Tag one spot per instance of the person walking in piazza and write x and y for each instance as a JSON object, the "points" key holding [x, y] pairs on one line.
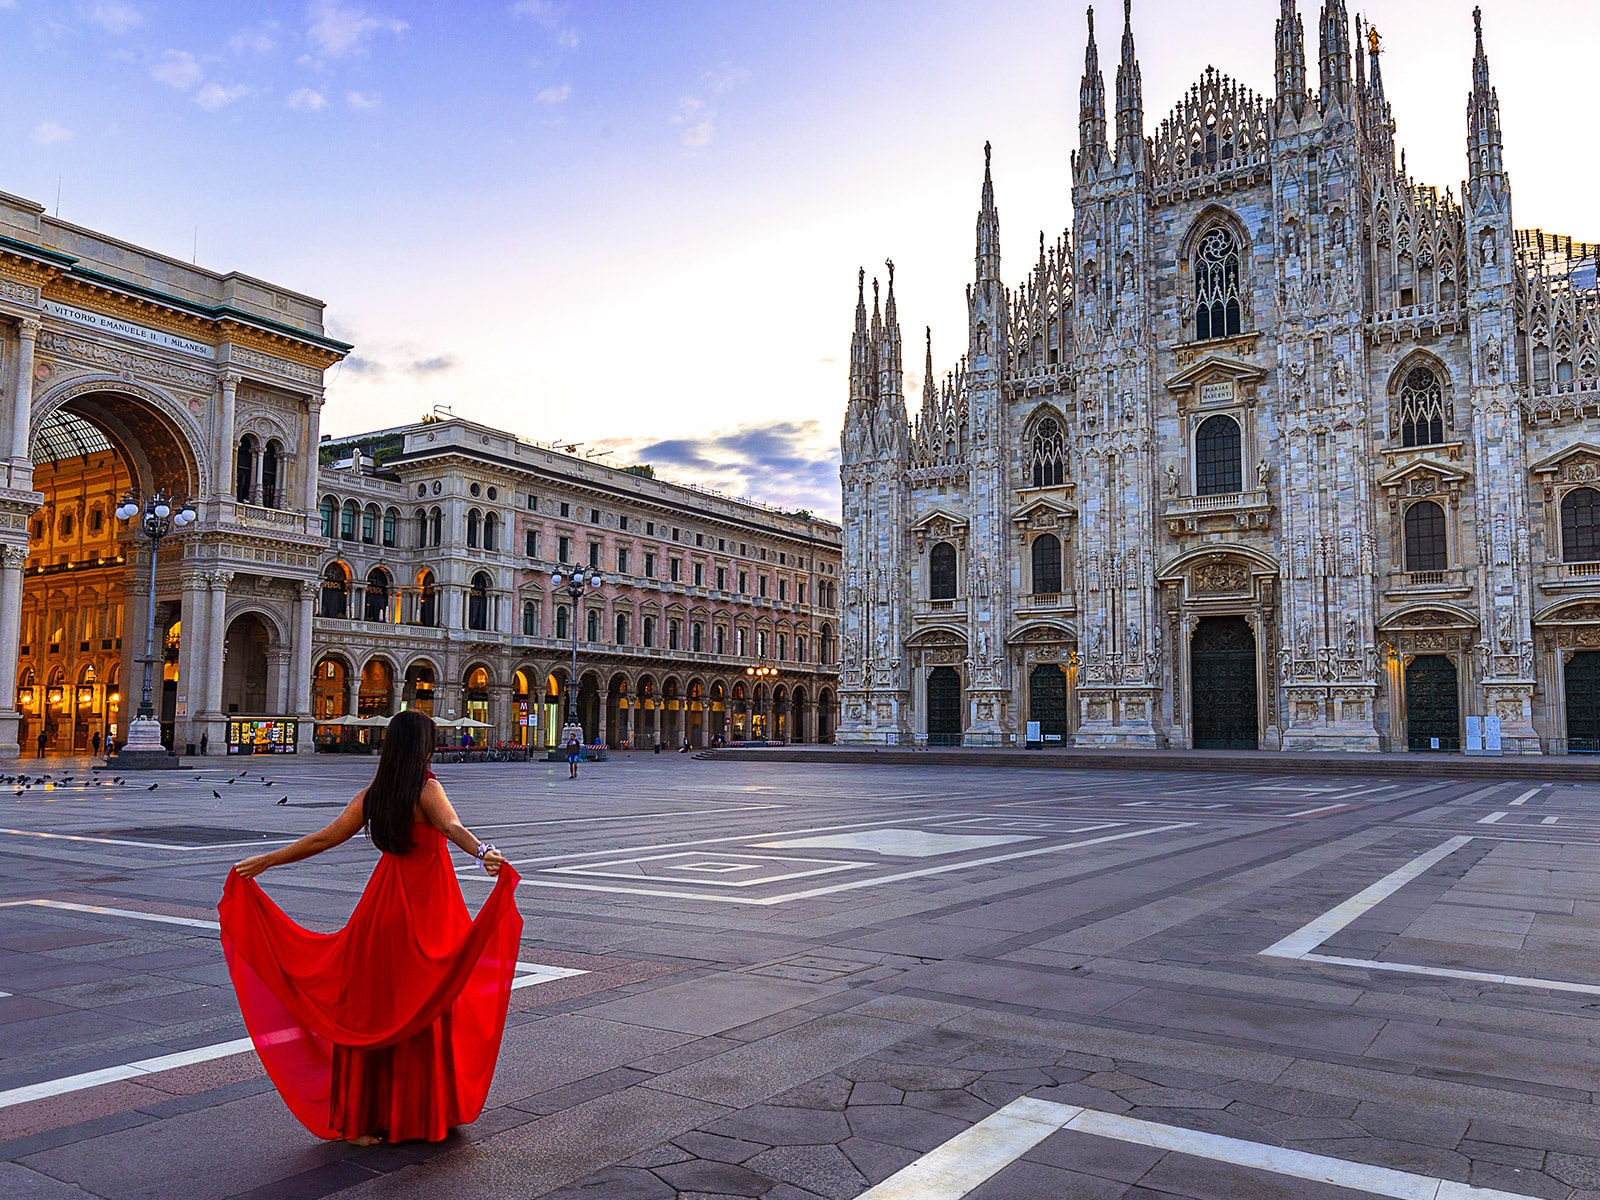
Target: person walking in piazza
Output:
{"points": [[390, 1027], [574, 751], [95, 742]]}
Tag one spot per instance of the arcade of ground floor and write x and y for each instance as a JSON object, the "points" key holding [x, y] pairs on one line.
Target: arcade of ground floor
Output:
{"points": [[797, 981]]}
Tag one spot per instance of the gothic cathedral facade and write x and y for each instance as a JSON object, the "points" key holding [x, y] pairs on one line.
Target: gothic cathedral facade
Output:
{"points": [[1274, 448]]}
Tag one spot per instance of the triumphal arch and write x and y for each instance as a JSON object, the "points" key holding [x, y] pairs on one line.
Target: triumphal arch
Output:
{"points": [[127, 373]]}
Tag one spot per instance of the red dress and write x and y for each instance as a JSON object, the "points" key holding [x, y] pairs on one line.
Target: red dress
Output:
{"points": [[391, 1025]]}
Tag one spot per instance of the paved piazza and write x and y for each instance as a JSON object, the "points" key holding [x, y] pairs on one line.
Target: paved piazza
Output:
{"points": [[796, 980]]}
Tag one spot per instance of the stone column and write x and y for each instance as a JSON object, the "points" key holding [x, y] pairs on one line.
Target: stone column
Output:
{"points": [[11, 560], [226, 462], [216, 627], [256, 467], [22, 410], [196, 659], [310, 454], [301, 689]]}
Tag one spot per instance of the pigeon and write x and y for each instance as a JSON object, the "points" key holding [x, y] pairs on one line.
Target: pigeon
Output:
{"points": [[242, 773], [152, 787], [283, 800], [216, 793], [266, 783], [229, 782]]}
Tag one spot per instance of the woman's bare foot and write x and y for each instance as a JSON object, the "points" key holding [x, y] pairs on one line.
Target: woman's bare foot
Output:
{"points": [[366, 1139]]}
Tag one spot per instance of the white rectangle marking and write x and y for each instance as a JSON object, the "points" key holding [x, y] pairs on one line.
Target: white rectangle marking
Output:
{"points": [[1548, 820], [1525, 797], [967, 1160], [1311, 812], [1313, 933], [1493, 818]]}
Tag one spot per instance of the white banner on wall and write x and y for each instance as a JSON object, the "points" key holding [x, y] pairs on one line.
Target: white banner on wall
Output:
{"points": [[127, 329]]}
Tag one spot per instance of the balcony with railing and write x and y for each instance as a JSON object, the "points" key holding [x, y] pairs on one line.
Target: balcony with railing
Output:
{"points": [[955, 606], [1452, 581], [1570, 576], [272, 520], [1227, 510], [1037, 602]]}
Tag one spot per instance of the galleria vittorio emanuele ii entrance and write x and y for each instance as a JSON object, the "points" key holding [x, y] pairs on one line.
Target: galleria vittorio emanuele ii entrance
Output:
{"points": [[127, 376]]}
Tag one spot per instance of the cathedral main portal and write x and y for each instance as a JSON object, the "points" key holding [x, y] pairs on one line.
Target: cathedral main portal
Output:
{"points": [[1223, 679]]}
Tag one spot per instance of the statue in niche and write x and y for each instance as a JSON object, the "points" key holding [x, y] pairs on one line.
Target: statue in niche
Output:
{"points": [[1490, 251], [1349, 636], [1263, 474], [1133, 640], [1172, 480], [1493, 353]]}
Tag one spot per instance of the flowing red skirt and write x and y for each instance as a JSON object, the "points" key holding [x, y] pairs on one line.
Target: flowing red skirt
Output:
{"points": [[391, 1025]]}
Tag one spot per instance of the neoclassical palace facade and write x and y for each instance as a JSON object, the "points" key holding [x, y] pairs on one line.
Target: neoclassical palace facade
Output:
{"points": [[1275, 447], [331, 579], [438, 541], [124, 369]]}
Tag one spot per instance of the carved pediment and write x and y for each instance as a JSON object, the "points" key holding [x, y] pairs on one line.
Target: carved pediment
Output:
{"points": [[1424, 477], [1578, 463], [1218, 379], [938, 526], [1436, 616], [1043, 513], [1584, 612]]}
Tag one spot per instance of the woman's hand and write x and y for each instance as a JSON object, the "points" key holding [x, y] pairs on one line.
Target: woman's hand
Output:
{"points": [[251, 867], [492, 861]]}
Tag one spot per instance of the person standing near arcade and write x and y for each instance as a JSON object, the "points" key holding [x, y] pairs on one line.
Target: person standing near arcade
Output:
{"points": [[389, 1028], [574, 752]]}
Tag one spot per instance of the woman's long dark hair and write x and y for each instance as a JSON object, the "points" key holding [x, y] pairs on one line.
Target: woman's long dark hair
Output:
{"points": [[395, 787]]}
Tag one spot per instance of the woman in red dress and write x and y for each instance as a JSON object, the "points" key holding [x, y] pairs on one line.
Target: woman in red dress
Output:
{"points": [[390, 1027]]}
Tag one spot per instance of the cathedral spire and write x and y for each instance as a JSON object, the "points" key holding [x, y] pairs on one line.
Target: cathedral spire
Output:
{"points": [[988, 249], [891, 389], [860, 347], [1485, 152], [1334, 55], [1291, 62], [1091, 109], [930, 392], [1130, 96]]}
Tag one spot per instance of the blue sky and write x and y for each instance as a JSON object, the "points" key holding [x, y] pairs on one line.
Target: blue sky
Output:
{"points": [[637, 225]]}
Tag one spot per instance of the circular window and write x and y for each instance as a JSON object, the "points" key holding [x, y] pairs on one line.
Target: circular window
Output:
{"points": [[474, 489], [437, 487], [422, 489], [494, 494]]}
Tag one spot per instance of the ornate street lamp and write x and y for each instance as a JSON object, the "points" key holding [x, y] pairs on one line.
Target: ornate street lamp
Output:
{"points": [[576, 584], [761, 674], [157, 518]]}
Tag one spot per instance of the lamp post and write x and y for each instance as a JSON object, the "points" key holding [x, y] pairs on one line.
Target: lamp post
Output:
{"points": [[158, 517], [576, 584]]}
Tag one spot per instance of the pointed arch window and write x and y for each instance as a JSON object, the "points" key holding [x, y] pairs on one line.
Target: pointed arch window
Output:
{"points": [[1421, 408], [1218, 311], [1047, 454], [1580, 525]]}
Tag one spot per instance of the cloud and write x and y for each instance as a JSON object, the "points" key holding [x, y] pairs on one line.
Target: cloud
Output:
{"points": [[695, 118], [307, 100], [783, 463], [48, 133], [549, 16], [697, 123], [726, 77], [256, 39], [555, 95], [363, 101], [215, 95], [338, 29], [406, 361], [178, 69], [116, 19]]}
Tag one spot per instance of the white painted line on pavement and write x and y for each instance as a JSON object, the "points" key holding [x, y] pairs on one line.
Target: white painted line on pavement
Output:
{"points": [[1301, 944], [100, 910], [1549, 820], [133, 1070], [146, 845], [853, 885], [1313, 933], [1493, 818], [688, 812], [1525, 797], [975, 1155], [1309, 812]]}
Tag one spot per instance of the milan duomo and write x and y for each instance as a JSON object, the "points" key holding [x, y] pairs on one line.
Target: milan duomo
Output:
{"points": [[1275, 447]]}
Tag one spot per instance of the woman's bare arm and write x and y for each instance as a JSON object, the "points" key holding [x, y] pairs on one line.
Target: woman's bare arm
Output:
{"points": [[441, 815], [338, 831]]}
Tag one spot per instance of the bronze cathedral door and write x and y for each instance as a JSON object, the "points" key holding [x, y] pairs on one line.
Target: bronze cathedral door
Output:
{"points": [[1222, 682]]}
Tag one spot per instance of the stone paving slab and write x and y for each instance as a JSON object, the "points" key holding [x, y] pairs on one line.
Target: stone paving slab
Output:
{"points": [[815, 1048]]}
